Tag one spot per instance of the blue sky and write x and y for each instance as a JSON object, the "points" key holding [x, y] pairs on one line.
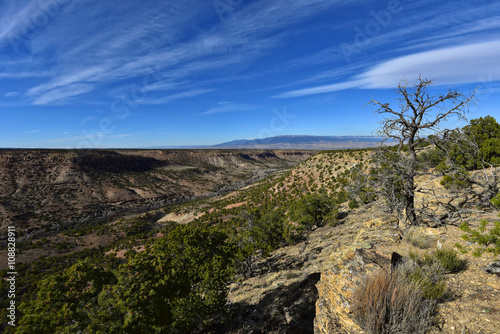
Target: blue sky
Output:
{"points": [[88, 73]]}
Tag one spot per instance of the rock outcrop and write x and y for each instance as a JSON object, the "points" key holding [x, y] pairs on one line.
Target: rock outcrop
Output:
{"points": [[370, 250]]}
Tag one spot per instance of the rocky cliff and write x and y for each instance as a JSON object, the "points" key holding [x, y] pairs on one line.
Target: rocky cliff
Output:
{"points": [[369, 251], [471, 303]]}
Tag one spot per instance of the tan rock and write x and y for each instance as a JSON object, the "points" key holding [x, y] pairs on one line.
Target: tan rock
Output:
{"points": [[432, 231], [493, 282], [336, 287]]}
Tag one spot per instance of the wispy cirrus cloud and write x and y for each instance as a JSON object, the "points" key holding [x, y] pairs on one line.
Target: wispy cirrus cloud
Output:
{"points": [[246, 35], [415, 29], [23, 75], [110, 52], [75, 77], [173, 97], [228, 107], [419, 29], [62, 93], [12, 94], [321, 89], [453, 65], [467, 32], [105, 40], [15, 18]]}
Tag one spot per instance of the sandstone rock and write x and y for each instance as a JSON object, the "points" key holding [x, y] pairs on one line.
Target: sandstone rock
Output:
{"points": [[350, 266], [432, 231], [336, 287]]}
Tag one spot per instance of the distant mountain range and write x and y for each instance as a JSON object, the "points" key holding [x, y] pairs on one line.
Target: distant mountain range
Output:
{"points": [[297, 142]]}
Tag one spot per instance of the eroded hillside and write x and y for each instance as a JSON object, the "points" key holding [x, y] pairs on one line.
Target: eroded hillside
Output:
{"points": [[40, 187]]}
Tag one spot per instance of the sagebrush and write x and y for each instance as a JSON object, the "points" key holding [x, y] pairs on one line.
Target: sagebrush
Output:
{"points": [[390, 303]]}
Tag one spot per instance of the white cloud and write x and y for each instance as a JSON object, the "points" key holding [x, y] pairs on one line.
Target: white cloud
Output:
{"points": [[12, 94], [126, 135], [265, 17], [321, 89], [110, 49], [467, 33], [62, 93], [14, 21], [247, 34], [173, 97], [453, 65], [472, 63], [415, 29], [226, 107], [77, 76], [22, 75], [86, 137]]}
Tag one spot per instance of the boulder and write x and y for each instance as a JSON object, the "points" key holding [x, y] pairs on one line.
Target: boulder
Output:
{"points": [[493, 268]]}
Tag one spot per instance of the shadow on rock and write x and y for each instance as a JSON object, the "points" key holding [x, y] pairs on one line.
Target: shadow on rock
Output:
{"points": [[287, 309]]}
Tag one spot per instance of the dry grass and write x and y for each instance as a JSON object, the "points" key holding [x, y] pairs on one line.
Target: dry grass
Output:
{"points": [[389, 303], [418, 238]]}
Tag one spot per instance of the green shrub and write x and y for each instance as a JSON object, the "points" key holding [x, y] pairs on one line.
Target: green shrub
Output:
{"points": [[178, 285], [430, 158], [496, 201], [353, 204], [426, 273], [490, 240], [448, 259], [312, 210], [485, 134], [456, 181], [418, 238]]}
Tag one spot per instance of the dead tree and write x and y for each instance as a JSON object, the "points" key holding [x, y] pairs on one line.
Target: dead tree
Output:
{"points": [[418, 116]]}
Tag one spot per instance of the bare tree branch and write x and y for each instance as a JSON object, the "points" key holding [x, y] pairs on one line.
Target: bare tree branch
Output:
{"points": [[418, 116]]}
